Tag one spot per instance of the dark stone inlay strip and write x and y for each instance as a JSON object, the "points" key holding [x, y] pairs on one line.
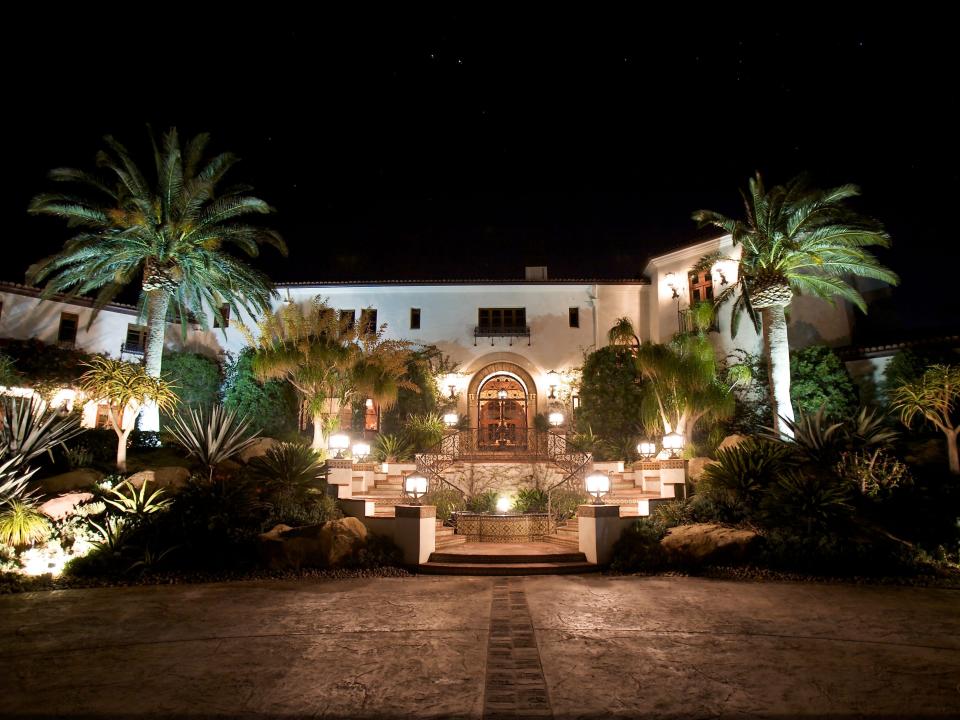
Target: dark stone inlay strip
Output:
{"points": [[515, 686]]}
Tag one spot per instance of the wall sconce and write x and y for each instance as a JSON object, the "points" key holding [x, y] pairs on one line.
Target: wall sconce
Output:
{"points": [[671, 279], [453, 391], [553, 393]]}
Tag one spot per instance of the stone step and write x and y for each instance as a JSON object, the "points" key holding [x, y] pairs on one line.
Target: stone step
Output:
{"points": [[494, 558], [450, 541], [564, 541], [532, 568], [444, 531]]}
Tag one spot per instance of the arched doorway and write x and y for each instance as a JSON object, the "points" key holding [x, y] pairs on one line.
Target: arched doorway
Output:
{"points": [[502, 401]]}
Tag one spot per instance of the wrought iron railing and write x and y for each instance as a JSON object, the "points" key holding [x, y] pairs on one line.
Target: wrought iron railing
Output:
{"points": [[527, 444], [137, 349], [685, 322], [486, 331]]}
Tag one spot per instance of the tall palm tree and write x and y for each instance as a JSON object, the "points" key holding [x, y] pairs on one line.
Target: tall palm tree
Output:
{"points": [[794, 239], [330, 361], [622, 333], [169, 233]]}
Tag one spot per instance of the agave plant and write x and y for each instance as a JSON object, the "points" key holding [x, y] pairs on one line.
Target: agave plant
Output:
{"points": [[30, 428], [811, 499], [13, 477], [743, 473], [812, 436], [22, 523], [128, 501], [391, 448], [213, 436], [870, 430]]}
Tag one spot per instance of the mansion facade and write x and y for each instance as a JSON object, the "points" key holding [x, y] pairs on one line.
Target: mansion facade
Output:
{"points": [[521, 339]]}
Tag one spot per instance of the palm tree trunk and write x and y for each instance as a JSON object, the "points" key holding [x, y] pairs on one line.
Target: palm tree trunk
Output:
{"points": [[776, 347], [158, 302], [952, 454]]}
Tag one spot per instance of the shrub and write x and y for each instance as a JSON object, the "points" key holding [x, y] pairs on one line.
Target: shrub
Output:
{"points": [[874, 474], [447, 501], [832, 553], [610, 397], [811, 500], [22, 523], [699, 508], [195, 379], [213, 436], [424, 431], [29, 429], [530, 500], [391, 448], [272, 405], [79, 456], [638, 548], [587, 441], [742, 474], [564, 502], [288, 468], [378, 551], [484, 502], [819, 381]]}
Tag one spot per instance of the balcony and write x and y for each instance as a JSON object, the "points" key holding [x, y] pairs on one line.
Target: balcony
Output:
{"points": [[685, 322], [135, 349], [505, 331]]}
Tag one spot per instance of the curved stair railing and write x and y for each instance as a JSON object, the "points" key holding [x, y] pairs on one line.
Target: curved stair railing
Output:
{"points": [[533, 445]]}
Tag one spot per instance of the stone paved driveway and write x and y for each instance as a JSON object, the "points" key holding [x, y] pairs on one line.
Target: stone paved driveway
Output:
{"points": [[570, 646]]}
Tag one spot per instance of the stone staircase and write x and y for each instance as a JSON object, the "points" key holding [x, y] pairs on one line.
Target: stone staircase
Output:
{"points": [[501, 559], [447, 538]]}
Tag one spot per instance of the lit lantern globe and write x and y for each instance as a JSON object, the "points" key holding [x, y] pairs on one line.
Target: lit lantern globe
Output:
{"points": [[646, 449], [339, 442], [674, 443], [556, 419], [415, 485], [360, 451], [503, 504], [451, 419], [598, 484]]}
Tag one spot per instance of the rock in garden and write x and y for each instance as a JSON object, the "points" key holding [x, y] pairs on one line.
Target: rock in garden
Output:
{"points": [[63, 506], [708, 544], [173, 477], [731, 441], [696, 466], [342, 538], [72, 480], [260, 447]]}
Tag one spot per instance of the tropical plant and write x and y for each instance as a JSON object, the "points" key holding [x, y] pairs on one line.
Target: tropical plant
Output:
{"points": [[213, 435], [793, 239], [127, 388], [908, 365], [330, 360], [610, 395], [195, 378], [809, 500], [424, 431], [812, 436], [79, 456], [22, 523], [446, 499], [112, 534], [530, 500], [869, 429], [874, 473], [272, 404], [587, 441], [391, 448], [13, 477], [8, 372], [483, 502], [819, 380], [288, 470], [743, 473], [128, 501], [170, 234], [934, 397], [622, 333], [424, 367], [30, 428]]}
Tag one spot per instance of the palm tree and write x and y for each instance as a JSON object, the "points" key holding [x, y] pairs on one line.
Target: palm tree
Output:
{"points": [[794, 239], [622, 333], [169, 233], [330, 361]]}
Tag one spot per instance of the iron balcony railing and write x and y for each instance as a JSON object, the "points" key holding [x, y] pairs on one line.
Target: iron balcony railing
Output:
{"points": [[137, 349], [685, 322], [488, 331]]}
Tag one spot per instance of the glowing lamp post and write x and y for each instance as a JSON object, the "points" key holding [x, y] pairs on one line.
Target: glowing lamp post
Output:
{"points": [[415, 485], [556, 419], [646, 449], [360, 451], [598, 484], [339, 442], [451, 419], [674, 443]]}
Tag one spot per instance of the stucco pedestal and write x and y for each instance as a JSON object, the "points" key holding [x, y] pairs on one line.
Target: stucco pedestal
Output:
{"points": [[415, 532]]}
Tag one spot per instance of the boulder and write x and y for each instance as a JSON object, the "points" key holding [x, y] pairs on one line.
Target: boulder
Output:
{"points": [[63, 506], [696, 466], [708, 544], [260, 447], [731, 441], [173, 477], [73, 480], [284, 548], [340, 539]]}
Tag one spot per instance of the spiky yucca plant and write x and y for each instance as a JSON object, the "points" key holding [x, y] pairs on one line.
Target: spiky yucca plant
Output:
{"points": [[793, 238], [30, 428], [213, 436], [168, 230], [126, 499], [22, 523]]}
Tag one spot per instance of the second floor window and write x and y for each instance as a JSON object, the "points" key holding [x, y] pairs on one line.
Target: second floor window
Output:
{"points": [[414, 318], [501, 318], [348, 318], [575, 317], [368, 322], [67, 333], [701, 286], [136, 338]]}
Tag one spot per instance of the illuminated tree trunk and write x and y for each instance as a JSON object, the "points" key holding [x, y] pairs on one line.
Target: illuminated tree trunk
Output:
{"points": [[158, 302], [777, 349], [319, 441], [952, 455]]}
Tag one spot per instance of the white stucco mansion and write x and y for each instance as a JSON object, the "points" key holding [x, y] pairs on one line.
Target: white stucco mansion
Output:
{"points": [[527, 335]]}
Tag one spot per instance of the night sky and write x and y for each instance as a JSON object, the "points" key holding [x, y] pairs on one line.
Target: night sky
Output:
{"points": [[466, 147]]}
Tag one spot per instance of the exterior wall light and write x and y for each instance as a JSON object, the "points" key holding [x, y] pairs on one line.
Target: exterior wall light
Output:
{"points": [[646, 449], [360, 451], [453, 391], [671, 280], [553, 393], [415, 485], [451, 419], [503, 504], [674, 443], [556, 419], [598, 484], [339, 442]]}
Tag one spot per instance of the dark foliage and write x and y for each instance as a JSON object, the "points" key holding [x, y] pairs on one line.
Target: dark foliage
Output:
{"points": [[638, 548], [41, 365], [819, 381], [530, 500], [610, 397], [485, 502], [196, 379], [272, 405]]}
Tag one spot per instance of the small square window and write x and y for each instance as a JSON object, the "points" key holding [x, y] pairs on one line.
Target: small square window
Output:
{"points": [[575, 317], [67, 333], [348, 318], [414, 318], [368, 321]]}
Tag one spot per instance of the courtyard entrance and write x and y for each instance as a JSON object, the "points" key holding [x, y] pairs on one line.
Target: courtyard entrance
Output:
{"points": [[502, 414]]}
